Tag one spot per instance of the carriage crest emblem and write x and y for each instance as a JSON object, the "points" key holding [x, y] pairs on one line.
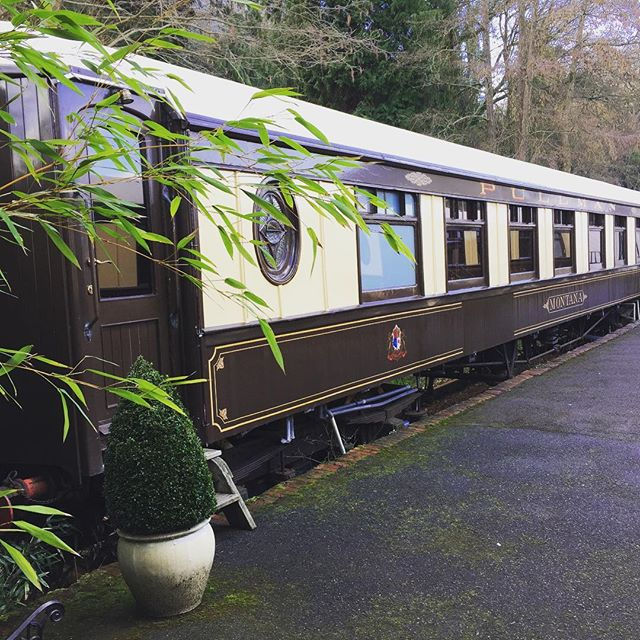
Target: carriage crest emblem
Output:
{"points": [[397, 345]]}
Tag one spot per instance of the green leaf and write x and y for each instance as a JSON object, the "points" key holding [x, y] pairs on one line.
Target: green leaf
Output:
{"points": [[278, 91], [75, 388], [129, 395], [65, 415], [232, 282], [316, 244], [15, 360], [272, 342], [183, 33], [309, 126], [49, 361], [13, 229], [23, 564], [39, 508], [175, 205], [254, 298], [154, 237], [171, 404], [294, 145], [395, 241], [44, 535], [269, 208], [7, 117], [59, 243], [183, 242]]}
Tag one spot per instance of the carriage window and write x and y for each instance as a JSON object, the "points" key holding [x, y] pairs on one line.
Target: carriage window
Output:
{"points": [[620, 241], [563, 237], [465, 222], [383, 272], [596, 242], [522, 242], [637, 242]]}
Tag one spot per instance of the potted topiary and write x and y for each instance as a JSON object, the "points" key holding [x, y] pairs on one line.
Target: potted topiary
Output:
{"points": [[160, 495]]}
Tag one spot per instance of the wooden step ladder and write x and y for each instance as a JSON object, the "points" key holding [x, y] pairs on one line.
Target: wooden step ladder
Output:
{"points": [[228, 498]]}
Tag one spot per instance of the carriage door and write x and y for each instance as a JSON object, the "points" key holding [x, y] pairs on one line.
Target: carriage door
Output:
{"points": [[122, 311]]}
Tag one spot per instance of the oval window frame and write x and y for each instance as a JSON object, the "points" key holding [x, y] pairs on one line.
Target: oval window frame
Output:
{"points": [[287, 272]]}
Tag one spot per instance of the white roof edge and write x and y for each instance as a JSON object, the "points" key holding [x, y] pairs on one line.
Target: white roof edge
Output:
{"points": [[225, 100]]}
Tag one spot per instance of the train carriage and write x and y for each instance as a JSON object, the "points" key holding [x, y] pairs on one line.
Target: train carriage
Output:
{"points": [[504, 251]]}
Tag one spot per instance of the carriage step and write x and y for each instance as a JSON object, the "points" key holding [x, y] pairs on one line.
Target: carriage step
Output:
{"points": [[225, 499], [228, 498]]}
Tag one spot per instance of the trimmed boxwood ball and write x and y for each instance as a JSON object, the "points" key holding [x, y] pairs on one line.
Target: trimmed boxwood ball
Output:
{"points": [[156, 479]]}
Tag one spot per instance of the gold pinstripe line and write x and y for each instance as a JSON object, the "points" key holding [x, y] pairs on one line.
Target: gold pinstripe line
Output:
{"points": [[292, 335], [331, 392], [530, 292], [582, 312]]}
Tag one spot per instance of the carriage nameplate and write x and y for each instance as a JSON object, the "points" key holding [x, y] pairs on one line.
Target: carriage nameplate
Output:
{"points": [[562, 301]]}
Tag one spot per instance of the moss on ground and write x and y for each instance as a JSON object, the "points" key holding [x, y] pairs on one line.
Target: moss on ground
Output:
{"points": [[327, 493], [460, 616], [99, 606]]}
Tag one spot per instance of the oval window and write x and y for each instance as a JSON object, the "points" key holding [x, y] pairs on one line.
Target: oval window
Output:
{"points": [[280, 249]]}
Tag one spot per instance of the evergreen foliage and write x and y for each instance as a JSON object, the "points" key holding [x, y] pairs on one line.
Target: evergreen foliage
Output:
{"points": [[390, 82], [156, 478]]}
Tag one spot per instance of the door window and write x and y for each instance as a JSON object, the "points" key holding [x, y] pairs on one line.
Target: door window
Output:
{"points": [[122, 267]]}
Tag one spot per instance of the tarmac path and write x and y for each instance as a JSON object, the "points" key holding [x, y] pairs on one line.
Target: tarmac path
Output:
{"points": [[518, 519]]}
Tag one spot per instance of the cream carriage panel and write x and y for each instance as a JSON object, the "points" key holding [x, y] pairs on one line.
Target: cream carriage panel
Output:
{"points": [[582, 241]]}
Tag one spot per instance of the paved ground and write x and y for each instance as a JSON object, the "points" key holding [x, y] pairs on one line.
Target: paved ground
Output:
{"points": [[518, 519]]}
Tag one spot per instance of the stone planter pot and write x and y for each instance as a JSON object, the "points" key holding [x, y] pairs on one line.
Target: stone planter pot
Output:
{"points": [[167, 573]]}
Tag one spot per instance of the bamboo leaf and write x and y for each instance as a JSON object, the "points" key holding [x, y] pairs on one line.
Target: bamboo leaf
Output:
{"points": [[65, 415], [39, 508], [252, 297], [272, 342], [44, 535], [59, 243], [316, 244], [15, 360], [75, 388], [23, 564], [129, 395], [309, 126], [232, 282], [175, 205], [183, 242], [13, 229], [278, 91], [294, 145]]}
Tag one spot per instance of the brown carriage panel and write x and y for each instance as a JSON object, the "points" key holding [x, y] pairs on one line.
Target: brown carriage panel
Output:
{"points": [[625, 285], [36, 313], [544, 306], [488, 321], [123, 342], [325, 362]]}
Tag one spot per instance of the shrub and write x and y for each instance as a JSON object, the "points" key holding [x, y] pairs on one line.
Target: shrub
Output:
{"points": [[156, 478]]}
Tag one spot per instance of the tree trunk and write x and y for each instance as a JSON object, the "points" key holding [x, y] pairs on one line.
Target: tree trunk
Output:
{"points": [[567, 120], [525, 65], [487, 72]]}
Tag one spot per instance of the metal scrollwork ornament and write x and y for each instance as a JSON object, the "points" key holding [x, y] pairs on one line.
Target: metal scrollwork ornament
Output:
{"points": [[280, 242], [32, 628]]}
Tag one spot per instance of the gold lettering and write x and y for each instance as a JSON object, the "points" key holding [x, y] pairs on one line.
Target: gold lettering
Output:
{"points": [[517, 194], [543, 198], [486, 188]]}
